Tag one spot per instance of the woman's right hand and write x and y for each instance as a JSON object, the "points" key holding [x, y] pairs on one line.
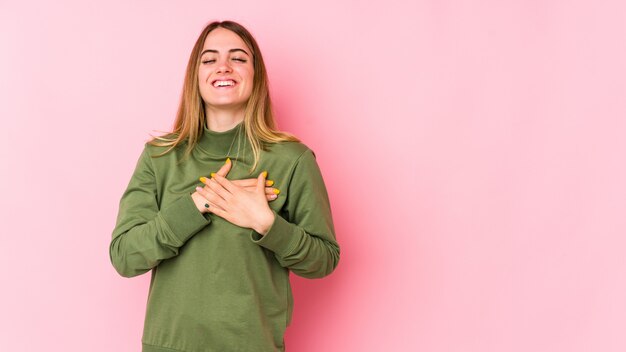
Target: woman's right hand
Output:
{"points": [[248, 184]]}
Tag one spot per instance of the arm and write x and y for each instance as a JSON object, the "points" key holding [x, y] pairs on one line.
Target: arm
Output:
{"points": [[146, 234], [304, 241]]}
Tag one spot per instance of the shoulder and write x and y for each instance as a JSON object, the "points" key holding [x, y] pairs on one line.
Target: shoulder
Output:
{"points": [[159, 159], [292, 151], [152, 149]]}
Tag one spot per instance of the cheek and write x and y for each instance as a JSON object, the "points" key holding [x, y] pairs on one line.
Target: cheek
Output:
{"points": [[201, 74], [250, 79], [202, 85]]}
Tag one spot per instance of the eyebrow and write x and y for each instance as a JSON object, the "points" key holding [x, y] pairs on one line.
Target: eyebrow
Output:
{"points": [[230, 51]]}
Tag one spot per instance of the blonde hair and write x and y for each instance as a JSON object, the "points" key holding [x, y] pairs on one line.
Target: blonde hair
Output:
{"points": [[258, 117]]}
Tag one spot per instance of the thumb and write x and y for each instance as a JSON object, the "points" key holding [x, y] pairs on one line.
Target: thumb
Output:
{"points": [[260, 184], [223, 171]]}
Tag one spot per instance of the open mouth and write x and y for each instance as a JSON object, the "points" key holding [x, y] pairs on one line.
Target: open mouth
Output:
{"points": [[224, 83]]}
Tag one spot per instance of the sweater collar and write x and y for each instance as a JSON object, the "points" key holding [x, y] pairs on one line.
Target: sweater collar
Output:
{"points": [[220, 143]]}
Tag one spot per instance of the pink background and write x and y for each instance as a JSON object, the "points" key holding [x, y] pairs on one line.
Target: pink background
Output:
{"points": [[474, 152]]}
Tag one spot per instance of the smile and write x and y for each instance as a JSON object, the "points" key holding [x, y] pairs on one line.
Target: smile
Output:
{"points": [[224, 83]]}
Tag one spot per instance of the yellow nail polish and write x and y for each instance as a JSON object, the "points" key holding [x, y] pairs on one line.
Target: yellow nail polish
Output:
{"points": [[269, 183], [203, 179], [212, 174], [276, 191], [227, 160], [265, 174]]}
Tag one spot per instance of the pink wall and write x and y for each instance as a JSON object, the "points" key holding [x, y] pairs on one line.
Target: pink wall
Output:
{"points": [[474, 153]]}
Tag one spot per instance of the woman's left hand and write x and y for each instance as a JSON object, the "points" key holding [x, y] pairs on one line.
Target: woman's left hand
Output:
{"points": [[239, 206]]}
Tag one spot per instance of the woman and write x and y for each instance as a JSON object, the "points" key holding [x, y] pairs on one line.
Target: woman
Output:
{"points": [[219, 238]]}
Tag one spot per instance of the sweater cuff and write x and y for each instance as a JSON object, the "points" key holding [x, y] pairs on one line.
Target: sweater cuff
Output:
{"points": [[183, 218], [281, 237]]}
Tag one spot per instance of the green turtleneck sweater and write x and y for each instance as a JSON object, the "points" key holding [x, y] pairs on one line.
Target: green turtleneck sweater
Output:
{"points": [[216, 286]]}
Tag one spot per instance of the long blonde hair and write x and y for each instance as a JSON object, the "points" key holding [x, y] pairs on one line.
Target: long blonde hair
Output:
{"points": [[258, 117]]}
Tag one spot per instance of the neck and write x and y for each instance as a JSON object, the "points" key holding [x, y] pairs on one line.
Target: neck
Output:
{"points": [[220, 120], [222, 144]]}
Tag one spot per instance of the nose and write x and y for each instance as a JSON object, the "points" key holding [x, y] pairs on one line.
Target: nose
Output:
{"points": [[223, 67]]}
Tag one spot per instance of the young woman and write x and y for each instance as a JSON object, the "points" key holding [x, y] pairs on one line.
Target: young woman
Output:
{"points": [[222, 209]]}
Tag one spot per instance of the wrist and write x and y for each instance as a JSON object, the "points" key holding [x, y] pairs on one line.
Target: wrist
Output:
{"points": [[265, 224]]}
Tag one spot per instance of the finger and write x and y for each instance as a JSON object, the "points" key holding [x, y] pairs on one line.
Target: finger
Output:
{"points": [[217, 189], [260, 186], [268, 190], [252, 187], [270, 193], [217, 211], [213, 200], [226, 184], [223, 171], [209, 191], [213, 207], [248, 182], [251, 182]]}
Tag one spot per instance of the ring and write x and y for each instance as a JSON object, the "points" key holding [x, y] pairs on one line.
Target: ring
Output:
{"points": [[206, 205]]}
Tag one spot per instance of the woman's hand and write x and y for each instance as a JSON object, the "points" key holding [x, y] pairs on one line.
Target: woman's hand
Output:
{"points": [[201, 195], [248, 184], [237, 205]]}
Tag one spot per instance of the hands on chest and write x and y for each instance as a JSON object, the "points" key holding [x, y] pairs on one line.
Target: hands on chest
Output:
{"points": [[241, 202]]}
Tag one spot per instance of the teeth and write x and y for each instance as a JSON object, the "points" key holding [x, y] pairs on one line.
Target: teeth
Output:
{"points": [[223, 83]]}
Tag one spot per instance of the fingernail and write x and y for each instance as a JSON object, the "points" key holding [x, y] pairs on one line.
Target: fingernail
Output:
{"points": [[212, 174], [198, 189], [273, 196], [264, 174], [227, 160], [269, 183], [276, 191], [203, 179]]}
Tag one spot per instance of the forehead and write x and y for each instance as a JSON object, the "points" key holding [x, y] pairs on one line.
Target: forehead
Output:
{"points": [[222, 39]]}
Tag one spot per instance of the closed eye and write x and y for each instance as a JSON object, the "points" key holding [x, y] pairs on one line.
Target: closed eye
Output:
{"points": [[239, 59], [208, 61]]}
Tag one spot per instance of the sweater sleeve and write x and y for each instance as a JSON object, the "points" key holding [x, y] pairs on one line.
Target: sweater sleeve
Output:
{"points": [[145, 234], [304, 240]]}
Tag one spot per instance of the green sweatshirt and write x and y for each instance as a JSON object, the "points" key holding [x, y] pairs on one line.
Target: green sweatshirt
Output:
{"points": [[216, 286]]}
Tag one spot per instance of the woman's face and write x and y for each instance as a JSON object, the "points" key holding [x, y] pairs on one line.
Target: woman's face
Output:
{"points": [[226, 72]]}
